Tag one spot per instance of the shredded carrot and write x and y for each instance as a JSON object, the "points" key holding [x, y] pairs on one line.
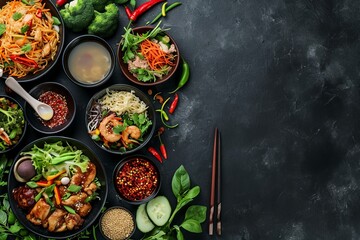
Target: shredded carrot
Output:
{"points": [[155, 56]]}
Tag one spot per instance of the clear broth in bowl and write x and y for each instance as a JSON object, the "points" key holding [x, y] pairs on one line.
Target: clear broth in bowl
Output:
{"points": [[89, 62]]}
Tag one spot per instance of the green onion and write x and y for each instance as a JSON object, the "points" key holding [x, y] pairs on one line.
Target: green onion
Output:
{"points": [[32, 184], [74, 188], [69, 209]]}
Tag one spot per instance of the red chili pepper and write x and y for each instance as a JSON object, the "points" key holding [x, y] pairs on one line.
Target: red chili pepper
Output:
{"points": [[38, 13], [162, 148], [59, 3], [155, 153], [128, 11], [174, 103], [143, 8], [24, 61]]}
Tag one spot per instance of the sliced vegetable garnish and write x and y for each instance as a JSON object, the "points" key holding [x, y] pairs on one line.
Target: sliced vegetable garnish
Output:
{"points": [[74, 188]]}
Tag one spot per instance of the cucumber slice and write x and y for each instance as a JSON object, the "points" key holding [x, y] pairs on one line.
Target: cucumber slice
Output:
{"points": [[143, 222], [159, 210]]}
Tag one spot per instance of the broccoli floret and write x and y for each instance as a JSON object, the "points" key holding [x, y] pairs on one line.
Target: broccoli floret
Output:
{"points": [[105, 24], [78, 14], [99, 5]]}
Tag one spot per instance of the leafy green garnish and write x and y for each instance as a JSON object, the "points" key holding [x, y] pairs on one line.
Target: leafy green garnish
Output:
{"points": [[26, 48], [16, 16], [2, 28], [119, 128], [74, 188], [30, 2], [56, 21], [24, 28], [132, 3], [194, 215]]}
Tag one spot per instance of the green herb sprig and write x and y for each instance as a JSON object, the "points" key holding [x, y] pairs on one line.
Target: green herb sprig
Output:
{"points": [[194, 215]]}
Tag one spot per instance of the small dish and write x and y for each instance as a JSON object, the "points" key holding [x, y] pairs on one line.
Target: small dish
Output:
{"points": [[133, 171], [4, 147], [57, 95], [125, 67], [117, 223], [95, 113], [88, 61]]}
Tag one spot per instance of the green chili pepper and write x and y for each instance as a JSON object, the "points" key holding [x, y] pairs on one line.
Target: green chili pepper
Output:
{"points": [[69, 209], [184, 76], [174, 5], [166, 117], [162, 116]]}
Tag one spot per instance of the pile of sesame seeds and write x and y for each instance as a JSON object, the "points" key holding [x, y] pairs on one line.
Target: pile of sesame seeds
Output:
{"points": [[117, 224]]}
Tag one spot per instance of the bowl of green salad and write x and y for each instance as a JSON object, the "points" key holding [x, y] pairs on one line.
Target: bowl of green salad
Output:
{"points": [[148, 55], [12, 123]]}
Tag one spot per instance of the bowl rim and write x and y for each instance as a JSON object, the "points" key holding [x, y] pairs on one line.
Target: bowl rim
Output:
{"points": [[150, 108], [65, 125], [25, 123], [88, 38], [121, 164], [103, 201], [117, 207], [126, 72], [53, 63]]}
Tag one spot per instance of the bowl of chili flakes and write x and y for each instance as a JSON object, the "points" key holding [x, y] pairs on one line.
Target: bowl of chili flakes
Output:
{"points": [[137, 179], [62, 102]]}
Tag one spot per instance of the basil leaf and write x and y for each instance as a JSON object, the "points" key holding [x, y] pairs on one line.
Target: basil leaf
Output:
{"points": [[32, 184], [192, 225], [180, 182], [15, 228], [6, 205], [2, 28], [3, 217], [74, 188], [16, 16], [26, 48], [192, 193], [3, 235], [196, 212], [179, 235]]}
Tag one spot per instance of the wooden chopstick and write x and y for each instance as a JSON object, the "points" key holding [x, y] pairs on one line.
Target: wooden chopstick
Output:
{"points": [[212, 190], [218, 216]]}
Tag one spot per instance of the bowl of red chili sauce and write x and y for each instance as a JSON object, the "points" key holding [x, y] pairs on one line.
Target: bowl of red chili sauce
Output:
{"points": [[62, 103], [137, 179]]}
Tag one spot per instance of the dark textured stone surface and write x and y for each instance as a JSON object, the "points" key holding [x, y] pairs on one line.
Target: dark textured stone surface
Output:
{"points": [[281, 81]]}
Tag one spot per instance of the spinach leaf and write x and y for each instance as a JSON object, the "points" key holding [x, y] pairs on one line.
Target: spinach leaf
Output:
{"points": [[192, 225], [196, 212], [192, 193]]}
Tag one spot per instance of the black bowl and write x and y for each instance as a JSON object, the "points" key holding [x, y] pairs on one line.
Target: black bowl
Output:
{"points": [[34, 76], [24, 128], [117, 207], [34, 119], [143, 97], [97, 205], [130, 76], [121, 164], [82, 39]]}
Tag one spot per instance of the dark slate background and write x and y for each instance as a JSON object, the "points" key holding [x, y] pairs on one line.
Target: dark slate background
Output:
{"points": [[280, 79]]}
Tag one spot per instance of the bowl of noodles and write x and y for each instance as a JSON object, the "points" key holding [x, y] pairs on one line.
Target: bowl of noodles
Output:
{"points": [[120, 119], [31, 38]]}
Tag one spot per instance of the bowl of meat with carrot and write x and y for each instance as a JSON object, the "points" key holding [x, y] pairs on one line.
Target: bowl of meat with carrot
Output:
{"points": [[120, 119], [148, 55]]}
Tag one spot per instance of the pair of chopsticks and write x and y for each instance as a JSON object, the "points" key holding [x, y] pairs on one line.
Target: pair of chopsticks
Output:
{"points": [[215, 180]]}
